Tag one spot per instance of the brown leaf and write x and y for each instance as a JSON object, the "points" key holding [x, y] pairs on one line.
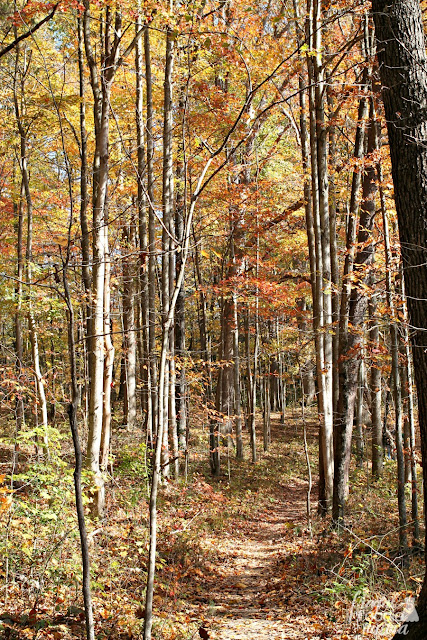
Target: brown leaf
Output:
{"points": [[140, 613]]}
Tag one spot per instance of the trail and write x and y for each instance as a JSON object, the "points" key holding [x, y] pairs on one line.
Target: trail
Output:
{"points": [[248, 605], [266, 581]]}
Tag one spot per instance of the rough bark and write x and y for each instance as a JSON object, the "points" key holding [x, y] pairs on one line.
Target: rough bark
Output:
{"points": [[403, 63]]}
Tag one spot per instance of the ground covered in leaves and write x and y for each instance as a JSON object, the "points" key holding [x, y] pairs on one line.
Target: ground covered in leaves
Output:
{"points": [[238, 557]]}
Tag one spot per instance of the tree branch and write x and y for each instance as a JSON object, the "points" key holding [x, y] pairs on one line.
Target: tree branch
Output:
{"points": [[28, 33]]}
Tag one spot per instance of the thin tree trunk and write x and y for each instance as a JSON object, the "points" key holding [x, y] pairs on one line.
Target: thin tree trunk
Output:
{"points": [[28, 259], [322, 305], [148, 618], [84, 196], [151, 236], [395, 373], [108, 357], [411, 421], [129, 335], [167, 248], [19, 338], [360, 437], [72, 415], [352, 339], [237, 394], [180, 349], [377, 427], [144, 337], [267, 407]]}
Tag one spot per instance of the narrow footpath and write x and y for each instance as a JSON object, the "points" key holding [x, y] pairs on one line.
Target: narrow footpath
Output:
{"points": [[270, 582]]}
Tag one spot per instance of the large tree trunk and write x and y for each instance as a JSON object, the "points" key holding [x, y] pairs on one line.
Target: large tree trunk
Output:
{"points": [[403, 64]]}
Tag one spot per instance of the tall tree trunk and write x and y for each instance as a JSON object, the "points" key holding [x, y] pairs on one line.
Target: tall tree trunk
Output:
{"points": [[18, 206], [72, 415], [252, 374], [151, 236], [411, 420], [352, 335], [84, 195], [108, 356], [402, 57], [237, 394], [322, 305], [395, 371], [101, 88], [143, 236], [267, 406], [375, 383], [167, 246], [129, 335], [23, 159], [181, 386]]}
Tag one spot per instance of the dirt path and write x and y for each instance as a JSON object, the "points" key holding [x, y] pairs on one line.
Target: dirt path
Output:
{"points": [[265, 589], [248, 603], [268, 577]]}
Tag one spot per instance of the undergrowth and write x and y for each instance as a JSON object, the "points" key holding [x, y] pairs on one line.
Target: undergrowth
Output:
{"points": [[320, 569]]}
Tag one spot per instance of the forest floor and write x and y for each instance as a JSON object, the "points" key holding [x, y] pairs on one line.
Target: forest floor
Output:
{"points": [[237, 557]]}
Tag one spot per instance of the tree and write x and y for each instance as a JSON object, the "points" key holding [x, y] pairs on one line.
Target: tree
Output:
{"points": [[403, 71], [29, 32]]}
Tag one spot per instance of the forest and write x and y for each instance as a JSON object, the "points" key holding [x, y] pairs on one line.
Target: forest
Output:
{"points": [[213, 319]]}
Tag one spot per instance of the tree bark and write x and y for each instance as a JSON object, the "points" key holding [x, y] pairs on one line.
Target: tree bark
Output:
{"points": [[23, 160], [72, 415], [18, 206], [352, 334], [129, 335], [403, 60], [151, 238], [144, 338], [101, 88], [375, 383], [395, 373]]}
